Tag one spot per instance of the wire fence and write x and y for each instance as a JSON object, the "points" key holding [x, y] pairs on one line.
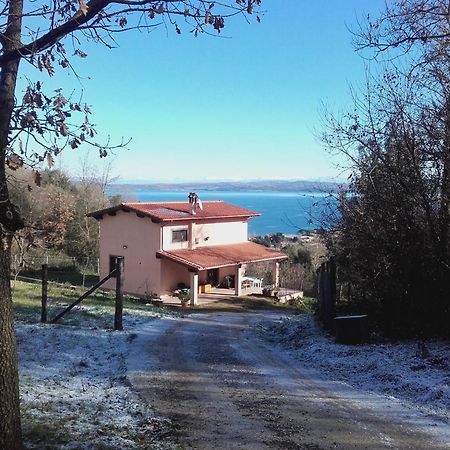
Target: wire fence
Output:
{"points": [[82, 271], [81, 264]]}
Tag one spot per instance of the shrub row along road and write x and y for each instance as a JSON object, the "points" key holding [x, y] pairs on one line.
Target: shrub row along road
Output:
{"points": [[224, 388]]}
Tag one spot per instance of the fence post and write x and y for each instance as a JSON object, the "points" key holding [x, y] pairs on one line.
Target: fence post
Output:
{"points": [[327, 291], [119, 294], [44, 293], [333, 286]]}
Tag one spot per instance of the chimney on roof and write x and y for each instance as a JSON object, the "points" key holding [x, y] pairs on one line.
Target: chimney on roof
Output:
{"points": [[195, 203]]}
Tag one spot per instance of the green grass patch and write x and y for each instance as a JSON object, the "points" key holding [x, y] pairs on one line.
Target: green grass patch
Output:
{"points": [[63, 275], [39, 432], [27, 304], [254, 303]]}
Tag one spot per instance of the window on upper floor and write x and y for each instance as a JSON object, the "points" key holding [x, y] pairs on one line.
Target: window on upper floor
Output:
{"points": [[180, 235]]}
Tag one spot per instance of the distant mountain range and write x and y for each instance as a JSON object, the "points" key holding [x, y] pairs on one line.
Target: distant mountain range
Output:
{"points": [[260, 186]]}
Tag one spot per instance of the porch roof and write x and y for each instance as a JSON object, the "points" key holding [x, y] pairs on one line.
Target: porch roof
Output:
{"points": [[212, 257]]}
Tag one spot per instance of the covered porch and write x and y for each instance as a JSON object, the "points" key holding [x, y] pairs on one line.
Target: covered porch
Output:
{"points": [[215, 270]]}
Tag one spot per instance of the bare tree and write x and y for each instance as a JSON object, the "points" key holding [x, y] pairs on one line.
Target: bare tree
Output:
{"points": [[393, 235], [90, 194], [421, 27], [38, 126]]}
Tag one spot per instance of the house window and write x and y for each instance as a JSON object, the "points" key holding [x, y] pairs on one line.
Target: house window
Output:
{"points": [[179, 235], [112, 263]]}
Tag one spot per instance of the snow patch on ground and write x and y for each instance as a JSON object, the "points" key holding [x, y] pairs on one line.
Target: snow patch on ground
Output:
{"points": [[394, 370], [74, 391]]}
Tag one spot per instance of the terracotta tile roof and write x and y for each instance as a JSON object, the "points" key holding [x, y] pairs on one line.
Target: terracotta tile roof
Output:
{"points": [[202, 258], [169, 211]]}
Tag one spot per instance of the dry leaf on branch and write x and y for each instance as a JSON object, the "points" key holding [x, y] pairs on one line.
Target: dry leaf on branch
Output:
{"points": [[37, 178], [50, 161], [83, 7]]}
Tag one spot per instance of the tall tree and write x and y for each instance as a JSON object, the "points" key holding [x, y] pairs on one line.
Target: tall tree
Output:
{"points": [[393, 240], [36, 32], [408, 26]]}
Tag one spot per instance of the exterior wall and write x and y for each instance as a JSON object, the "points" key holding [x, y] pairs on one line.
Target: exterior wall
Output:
{"points": [[144, 273], [141, 237], [226, 271], [167, 243], [219, 233], [171, 275], [206, 233], [202, 276]]}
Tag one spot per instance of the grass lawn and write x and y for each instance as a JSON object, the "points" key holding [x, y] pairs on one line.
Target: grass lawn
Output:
{"points": [[97, 310], [72, 277], [255, 302]]}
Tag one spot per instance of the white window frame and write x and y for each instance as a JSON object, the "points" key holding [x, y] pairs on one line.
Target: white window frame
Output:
{"points": [[180, 231]]}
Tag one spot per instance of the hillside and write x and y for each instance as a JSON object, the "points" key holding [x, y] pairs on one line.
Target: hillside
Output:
{"points": [[260, 185]]}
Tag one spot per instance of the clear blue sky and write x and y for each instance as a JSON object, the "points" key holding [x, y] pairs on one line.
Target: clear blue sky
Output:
{"points": [[243, 106]]}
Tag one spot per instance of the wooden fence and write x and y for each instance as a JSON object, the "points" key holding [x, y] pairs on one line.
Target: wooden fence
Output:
{"points": [[326, 281], [118, 314]]}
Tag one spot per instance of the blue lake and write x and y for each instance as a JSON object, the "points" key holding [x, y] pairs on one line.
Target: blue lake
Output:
{"points": [[284, 212]]}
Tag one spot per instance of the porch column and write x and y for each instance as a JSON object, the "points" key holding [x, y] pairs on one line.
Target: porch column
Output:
{"points": [[194, 288], [238, 280], [276, 273], [191, 242]]}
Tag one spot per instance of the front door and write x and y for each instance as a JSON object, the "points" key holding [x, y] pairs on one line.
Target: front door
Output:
{"points": [[212, 277]]}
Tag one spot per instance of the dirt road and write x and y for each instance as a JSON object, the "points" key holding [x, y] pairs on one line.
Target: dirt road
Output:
{"points": [[224, 388]]}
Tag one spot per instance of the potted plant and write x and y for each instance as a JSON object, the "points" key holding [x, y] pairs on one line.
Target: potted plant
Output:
{"points": [[184, 296], [268, 290]]}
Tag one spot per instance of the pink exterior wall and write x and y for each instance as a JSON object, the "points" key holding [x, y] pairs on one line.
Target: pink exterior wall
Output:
{"points": [[141, 237], [172, 274], [226, 271], [144, 273], [202, 277]]}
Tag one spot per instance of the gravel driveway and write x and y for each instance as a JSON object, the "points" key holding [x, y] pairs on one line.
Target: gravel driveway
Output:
{"points": [[224, 388]]}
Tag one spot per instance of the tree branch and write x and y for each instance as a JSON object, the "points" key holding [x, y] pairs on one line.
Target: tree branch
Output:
{"points": [[53, 36]]}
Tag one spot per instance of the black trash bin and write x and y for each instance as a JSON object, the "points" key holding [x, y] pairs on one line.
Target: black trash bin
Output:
{"points": [[351, 329]]}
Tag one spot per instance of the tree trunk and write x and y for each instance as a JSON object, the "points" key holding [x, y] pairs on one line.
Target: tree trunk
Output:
{"points": [[10, 221], [10, 432]]}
